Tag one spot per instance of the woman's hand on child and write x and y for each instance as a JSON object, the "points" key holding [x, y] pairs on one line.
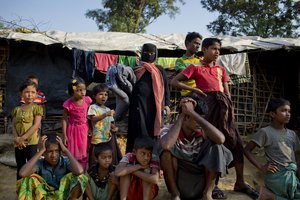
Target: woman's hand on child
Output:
{"points": [[270, 167]]}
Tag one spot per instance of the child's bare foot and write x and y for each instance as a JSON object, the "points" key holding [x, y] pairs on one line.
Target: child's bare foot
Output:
{"points": [[265, 194]]}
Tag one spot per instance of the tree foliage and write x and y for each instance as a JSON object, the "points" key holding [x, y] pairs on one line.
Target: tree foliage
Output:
{"points": [[131, 16], [265, 18]]}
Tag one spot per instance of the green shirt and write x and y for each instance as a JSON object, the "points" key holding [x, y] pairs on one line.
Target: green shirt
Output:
{"points": [[25, 120], [181, 64]]}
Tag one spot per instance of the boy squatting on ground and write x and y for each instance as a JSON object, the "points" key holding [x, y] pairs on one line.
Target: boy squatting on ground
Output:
{"points": [[103, 184], [281, 146], [212, 82], [192, 153], [50, 177], [139, 171]]}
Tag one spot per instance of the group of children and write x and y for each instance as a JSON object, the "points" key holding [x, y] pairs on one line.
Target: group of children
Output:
{"points": [[136, 174], [50, 176]]}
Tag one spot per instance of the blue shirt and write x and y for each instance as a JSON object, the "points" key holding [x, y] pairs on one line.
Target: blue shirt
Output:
{"points": [[53, 175]]}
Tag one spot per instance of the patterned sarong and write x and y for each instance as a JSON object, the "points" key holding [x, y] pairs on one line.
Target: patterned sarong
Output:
{"points": [[35, 187], [284, 184]]}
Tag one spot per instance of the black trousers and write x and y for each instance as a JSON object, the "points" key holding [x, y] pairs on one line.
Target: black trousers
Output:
{"points": [[24, 155]]}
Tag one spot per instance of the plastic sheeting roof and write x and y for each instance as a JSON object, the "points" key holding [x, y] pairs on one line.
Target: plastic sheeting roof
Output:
{"points": [[118, 41]]}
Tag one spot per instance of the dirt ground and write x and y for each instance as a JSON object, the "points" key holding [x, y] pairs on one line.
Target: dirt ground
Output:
{"points": [[8, 175]]}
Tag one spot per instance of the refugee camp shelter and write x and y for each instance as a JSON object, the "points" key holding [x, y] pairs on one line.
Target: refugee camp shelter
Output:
{"points": [[260, 68]]}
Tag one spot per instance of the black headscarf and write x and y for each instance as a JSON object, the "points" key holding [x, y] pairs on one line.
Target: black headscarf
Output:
{"points": [[149, 53]]}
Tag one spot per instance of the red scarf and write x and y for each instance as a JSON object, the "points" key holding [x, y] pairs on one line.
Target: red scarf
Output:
{"points": [[158, 90]]}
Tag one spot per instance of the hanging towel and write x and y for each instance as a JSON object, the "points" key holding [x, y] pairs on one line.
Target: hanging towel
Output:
{"points": [[234, 63], [167, 63], [127, 60], [103, 61], [237, 66]]}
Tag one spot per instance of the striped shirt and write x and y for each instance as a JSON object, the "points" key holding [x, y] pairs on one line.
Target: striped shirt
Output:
{"points": [[188, 147]]}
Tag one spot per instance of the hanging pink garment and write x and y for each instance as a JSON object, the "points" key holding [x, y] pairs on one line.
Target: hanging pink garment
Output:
{"points": [[103, 61]]}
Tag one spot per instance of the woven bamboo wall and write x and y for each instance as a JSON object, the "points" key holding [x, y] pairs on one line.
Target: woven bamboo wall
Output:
{"points": [[4, 53], [251, 98]]}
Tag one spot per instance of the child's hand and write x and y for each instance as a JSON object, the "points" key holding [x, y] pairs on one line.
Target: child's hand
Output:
{"points": [[187, 99], [20, 142], [66, 141], [144, 166], [113, 178], [199, 92], [168, 110], [22, 145], [270, 167], [42, 142], [187, 105], [62, 146], [114, 128], [110, 113]]}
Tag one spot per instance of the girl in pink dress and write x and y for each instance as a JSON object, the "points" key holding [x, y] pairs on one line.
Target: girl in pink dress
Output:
{"points": [[74, 123]]}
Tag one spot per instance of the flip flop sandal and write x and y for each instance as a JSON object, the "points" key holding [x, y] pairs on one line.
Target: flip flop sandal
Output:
{"points": [[251, 192], [218, 194]]}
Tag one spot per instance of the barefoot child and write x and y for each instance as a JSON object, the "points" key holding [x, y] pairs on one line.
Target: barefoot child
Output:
{"points": [[52, 176], [139, 171], [103, 184], [281, 147]]}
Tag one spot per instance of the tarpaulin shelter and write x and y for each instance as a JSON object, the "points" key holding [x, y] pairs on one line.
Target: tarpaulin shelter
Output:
{"points": [[274, 65]]}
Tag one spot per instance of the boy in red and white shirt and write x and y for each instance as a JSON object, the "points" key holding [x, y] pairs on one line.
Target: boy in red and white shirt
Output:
{"points": [[139, 171]]}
